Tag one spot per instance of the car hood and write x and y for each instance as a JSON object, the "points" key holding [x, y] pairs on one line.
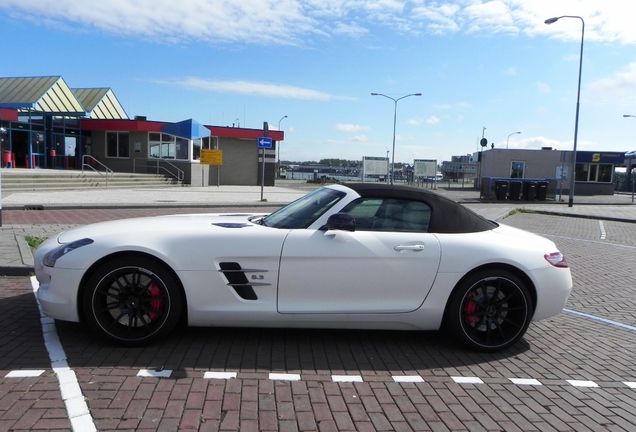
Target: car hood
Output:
{"points": [[161, 224]]}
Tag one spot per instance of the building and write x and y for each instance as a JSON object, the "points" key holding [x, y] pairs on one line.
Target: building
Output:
{"points": [[46, 124], [594, 172], [460, 168]]}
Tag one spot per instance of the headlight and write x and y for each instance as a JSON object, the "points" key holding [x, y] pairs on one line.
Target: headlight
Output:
{"points": [[60, 251]]}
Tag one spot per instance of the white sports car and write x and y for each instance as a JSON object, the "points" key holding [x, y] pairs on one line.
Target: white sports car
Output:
{"points": [[357, 256]]}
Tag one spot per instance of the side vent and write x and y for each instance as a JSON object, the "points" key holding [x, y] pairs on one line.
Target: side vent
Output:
{"points": [[237, 279]]}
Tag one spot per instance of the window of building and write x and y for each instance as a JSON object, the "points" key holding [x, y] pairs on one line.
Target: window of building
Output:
{"points": [[594, 173], [165, 146], [117, 144], [517, 169], [161, 146]]}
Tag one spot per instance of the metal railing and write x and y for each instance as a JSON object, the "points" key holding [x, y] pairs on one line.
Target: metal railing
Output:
{"points": [[157, 165], [91, 162]]}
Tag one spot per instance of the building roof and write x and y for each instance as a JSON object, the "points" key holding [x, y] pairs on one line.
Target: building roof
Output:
{"points": [[100, 103], [50, 95]]}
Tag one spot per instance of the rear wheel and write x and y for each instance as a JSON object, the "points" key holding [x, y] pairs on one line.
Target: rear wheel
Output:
{"points": [[490, 310], [132, 301]]}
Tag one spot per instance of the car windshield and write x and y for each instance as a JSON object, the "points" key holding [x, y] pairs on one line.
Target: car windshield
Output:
{"points": [[304, 211]]}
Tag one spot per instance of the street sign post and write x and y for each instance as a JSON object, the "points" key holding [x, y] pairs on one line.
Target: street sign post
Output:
{"points": [[263, 143]]}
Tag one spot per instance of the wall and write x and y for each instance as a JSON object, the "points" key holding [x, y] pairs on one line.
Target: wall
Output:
{"points": [[539, 163]]}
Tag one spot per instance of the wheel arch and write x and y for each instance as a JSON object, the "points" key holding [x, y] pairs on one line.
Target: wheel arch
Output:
{"points": [[494, 266], [133, 254]]}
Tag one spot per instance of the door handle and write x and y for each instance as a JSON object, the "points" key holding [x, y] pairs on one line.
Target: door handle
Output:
{"points": [[415, 248]]}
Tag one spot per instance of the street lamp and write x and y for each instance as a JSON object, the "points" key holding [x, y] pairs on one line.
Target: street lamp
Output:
{"points": [[628, 115], [507, 139], [395, 101], [578, 98], [278, 148]]}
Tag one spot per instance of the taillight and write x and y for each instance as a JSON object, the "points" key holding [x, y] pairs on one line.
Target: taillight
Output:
{"points": [[556, 259]]}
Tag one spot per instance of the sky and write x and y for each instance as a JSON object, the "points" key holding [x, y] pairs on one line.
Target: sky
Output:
{"points": [[484, 69]]}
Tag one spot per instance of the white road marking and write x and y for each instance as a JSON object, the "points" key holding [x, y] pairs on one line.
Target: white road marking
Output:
{"points": [[346, 378], [164, 373], [525, 381], [284, 377], [603, 320], [467, 380], [407, 378], [602, 227], [74, 400], [219, 375], [24, 373], [582, 383]]}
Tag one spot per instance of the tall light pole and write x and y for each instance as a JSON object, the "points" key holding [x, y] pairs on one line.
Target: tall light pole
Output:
{"points": [[508, 139], [629, 172], [578, 98], [395, 101], [278, 148]]}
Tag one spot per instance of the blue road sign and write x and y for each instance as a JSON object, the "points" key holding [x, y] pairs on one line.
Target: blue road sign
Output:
{"points": [[264, 142]]}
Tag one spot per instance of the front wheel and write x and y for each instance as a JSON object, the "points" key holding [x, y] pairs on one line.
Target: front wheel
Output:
{"points": [[132, 301], [490, 310]]}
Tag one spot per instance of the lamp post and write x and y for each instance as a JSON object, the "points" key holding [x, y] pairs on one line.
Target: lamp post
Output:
{"points": [[508, 139], [578, 98], [395, 101], [278, 148], [629, 172]]}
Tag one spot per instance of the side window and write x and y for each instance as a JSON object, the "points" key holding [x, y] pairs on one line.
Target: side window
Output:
{"points": [[373, 214]]}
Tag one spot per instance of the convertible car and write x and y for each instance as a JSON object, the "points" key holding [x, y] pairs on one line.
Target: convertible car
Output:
{"points": [[355, 256]]}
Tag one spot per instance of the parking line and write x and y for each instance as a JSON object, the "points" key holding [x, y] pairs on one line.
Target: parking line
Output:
{"points": [[75, 402], [219, 375], [467, 380], [27, 373], [346, 378], [603, 320]]}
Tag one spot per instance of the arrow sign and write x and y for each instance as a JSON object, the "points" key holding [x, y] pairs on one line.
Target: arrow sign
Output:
{"points": [[264, 143]]}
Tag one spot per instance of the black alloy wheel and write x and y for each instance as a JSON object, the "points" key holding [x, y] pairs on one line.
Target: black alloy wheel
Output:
{"points": [[490, 311], [132, 301]]}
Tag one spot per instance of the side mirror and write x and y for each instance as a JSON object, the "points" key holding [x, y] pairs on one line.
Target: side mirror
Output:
{"points": [[340, 221]]}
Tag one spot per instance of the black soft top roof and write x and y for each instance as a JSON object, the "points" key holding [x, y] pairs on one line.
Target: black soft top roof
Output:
{"points": [[447, 216]]}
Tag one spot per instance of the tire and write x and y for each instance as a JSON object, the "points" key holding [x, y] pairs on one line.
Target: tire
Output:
{"points": [[132, 301], [490, 311]]}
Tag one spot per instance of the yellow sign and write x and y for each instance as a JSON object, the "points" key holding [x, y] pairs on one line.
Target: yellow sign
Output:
{"points": [[211, 157]]}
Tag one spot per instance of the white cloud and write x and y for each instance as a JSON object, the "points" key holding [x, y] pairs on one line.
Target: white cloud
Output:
{"points": [[359, 138], [433, 120], [253, 88], [350, 128], [349, 29], [618, 89], [297, 21], [621, 81], [543, 88]]}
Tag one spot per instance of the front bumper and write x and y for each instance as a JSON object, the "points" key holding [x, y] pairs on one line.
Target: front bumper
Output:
{"points": [[58, 293]]}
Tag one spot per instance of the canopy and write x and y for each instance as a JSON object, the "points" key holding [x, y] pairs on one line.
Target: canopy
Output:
{"points": [[189, 129]]}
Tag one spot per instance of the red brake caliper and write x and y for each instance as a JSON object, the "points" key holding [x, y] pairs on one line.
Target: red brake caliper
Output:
{"points": [[470, 309], [156, 303]]}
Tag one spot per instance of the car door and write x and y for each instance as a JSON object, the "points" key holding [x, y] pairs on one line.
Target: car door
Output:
{"points": [[384, 266]]}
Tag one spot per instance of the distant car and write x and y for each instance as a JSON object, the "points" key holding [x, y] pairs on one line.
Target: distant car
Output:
{"points": [[357, 256]]}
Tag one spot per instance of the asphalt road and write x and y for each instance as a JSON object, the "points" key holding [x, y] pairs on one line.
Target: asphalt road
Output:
{"points": [[575, 371]]}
